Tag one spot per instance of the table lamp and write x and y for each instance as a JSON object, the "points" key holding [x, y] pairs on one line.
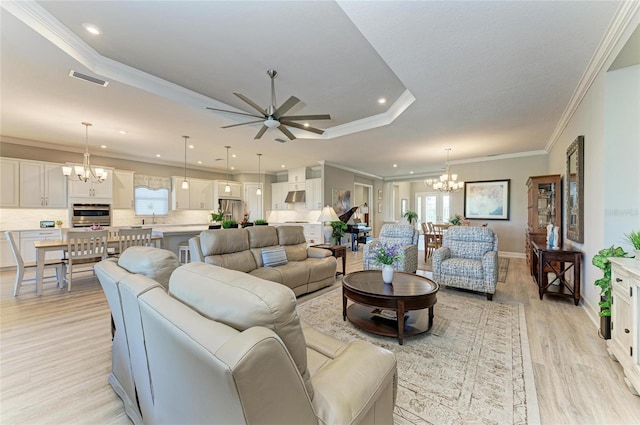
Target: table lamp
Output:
{"points": [[327, 215]]}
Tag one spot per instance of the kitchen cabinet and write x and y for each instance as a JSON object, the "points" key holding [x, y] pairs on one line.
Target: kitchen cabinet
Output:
{"points": [[10, 174], [278, 193], [28, 237], [253, 202], [544, 196], [297, 175], [625, 319], [236, 190], [100, 191], [179, 196], [313, 190], [42, 185], [123, 193], [200, 194]]}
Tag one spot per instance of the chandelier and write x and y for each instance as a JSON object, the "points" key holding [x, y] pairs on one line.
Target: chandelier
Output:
{"points": [[447, 182], [85, 172]]}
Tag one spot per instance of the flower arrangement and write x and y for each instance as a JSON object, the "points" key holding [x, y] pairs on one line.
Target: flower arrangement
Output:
{"points": [[245, 219], [456, 220], [385, 254], [95, 227]]}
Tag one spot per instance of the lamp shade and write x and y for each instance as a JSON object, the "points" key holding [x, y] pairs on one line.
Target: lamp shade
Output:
{"points": [[328, 214]]}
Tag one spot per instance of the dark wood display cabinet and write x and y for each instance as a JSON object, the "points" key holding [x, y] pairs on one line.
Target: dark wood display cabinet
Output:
{"points": [[544, 208]]}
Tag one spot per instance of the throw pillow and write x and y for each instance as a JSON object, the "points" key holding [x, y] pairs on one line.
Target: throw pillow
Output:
{"points": [[274, 257]]}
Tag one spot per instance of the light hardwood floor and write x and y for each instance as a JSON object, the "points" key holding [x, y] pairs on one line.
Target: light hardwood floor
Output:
{"points": [[55, 356]]}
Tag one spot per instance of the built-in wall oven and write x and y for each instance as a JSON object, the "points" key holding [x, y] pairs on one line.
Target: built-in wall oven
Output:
{"points": [[85, 215]]}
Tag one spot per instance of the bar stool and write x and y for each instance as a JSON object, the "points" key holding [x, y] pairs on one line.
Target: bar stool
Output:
{"points": [[184, 256]]}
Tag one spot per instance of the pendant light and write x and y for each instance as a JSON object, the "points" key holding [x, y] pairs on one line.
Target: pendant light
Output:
{"points": [[259, 191], [185, 182], [227, 188]]}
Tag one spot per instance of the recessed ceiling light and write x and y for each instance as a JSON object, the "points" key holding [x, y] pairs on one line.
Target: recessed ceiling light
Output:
{"points": [[191, 146], [233, 155], [395, 165], [103, 146], [282, 166], [306, 124], [410, 172], [199, 162], [157, 155], [92, 29], [122, 131], [382, 100], [233, 168]]}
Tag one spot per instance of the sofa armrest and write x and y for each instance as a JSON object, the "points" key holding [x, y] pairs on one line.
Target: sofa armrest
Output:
{"points": [[490, 268], [195, 250], [368, 262], [362, 378], [313, 252], [409, 262], [439, 255]]}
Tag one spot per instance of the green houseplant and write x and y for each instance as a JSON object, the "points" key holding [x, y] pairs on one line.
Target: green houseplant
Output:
{"points": [[337, 231], [456, 220], [226, 224], [411, 216], [217, 217], [601, 261], [260, 222], [634, 238]]}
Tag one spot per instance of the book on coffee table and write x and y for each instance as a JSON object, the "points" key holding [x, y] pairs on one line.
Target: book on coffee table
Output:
{"points": [[387, 314]]}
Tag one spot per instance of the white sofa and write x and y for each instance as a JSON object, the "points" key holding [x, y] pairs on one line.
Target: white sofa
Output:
{"points": [[227, 347]]}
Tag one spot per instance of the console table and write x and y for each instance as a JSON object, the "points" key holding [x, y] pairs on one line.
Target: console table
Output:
{"points": [[560, 262]]}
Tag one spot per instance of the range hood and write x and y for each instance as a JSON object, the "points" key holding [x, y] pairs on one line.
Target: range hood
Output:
{"points": [[295, 196]]}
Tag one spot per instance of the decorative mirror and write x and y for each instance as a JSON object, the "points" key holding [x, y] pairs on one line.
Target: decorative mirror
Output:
{"points": [[574, 213]]}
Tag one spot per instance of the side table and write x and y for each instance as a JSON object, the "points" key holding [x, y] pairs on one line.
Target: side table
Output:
{"points": [[560, 262], [337, 251]]}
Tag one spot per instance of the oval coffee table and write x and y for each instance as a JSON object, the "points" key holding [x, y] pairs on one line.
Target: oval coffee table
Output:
{"points": [[409, 296]]}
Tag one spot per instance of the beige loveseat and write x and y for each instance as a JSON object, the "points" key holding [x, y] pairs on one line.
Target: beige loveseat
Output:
{"points": [[225, 347], [306, 269]]}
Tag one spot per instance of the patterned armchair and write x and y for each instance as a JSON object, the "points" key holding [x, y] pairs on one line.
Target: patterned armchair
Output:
{"points": [[468, 259], [404, 234]]}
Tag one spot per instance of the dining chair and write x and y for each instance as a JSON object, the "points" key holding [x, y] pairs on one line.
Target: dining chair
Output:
{"points": [[438, 234], [22, 267], [84, 247], [135, 236], [430, 240]]}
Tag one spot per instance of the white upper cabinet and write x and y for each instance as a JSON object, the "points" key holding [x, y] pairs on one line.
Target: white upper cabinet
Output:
{"points": [[278, 193], [200, 194], [10, 174], [179, 196], [100, 191], [236, 190], [313, 189], [42, 185], [123, 194], [297, 175]]}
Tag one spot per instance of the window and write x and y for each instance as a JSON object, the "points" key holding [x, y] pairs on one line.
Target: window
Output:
{"points": [[150, 201]]}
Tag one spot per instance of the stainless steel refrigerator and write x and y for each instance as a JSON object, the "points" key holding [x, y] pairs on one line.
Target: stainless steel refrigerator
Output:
{"points": [[232, 209]]}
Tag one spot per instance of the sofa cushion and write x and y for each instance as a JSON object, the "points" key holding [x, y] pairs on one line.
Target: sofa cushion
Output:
{"points": [[223, 241], [262, 236], [291, 235], [155, 263], [227, 296], [272, 257], [242, 261]]}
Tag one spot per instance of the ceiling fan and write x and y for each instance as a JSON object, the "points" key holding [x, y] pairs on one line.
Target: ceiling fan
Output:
{"points": [[272, 117]]}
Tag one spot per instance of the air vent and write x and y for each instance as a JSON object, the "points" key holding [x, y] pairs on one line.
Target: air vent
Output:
{"points": [[88, 78]]}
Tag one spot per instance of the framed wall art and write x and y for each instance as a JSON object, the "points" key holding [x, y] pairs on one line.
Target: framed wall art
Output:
{"points": [[487, 200], [380, 195], [380, 208], [341, 200]]}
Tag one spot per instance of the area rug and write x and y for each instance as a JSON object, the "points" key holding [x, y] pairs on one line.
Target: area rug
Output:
{"points": [[503, 266], [473, 366]]}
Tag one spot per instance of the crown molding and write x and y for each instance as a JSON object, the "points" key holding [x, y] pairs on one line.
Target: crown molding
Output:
{"points": [[625, 15]]}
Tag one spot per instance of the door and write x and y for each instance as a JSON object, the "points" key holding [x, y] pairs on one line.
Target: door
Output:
{"points": [[432, 207]]}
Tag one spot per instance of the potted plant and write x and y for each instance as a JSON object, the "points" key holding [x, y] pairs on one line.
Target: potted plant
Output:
{"points": [[337, 231], [601, 261], [634, 238], [245, 220], [411, 216], [386, 256], [217, 217], [260, 222], [58, 223], [456, 220], [229, 224]]}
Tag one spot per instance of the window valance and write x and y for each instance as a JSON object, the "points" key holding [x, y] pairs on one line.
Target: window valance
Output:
{"points": [[152, 182]]}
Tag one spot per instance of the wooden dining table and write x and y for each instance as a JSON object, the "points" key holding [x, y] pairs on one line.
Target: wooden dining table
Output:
{"points": [[42, 247]]}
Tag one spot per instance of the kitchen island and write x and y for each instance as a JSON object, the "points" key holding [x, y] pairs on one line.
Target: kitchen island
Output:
{"points": [[172, 236]]}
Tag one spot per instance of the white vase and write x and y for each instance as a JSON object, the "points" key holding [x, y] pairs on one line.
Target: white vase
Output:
{"points": [[387, 273]]}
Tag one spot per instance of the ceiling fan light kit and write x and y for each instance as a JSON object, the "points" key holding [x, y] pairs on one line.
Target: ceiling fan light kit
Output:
{"points": [[273, 117]]}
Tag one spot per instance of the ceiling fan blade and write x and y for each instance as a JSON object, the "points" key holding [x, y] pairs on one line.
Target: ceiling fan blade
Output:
{"points": [[290, 103], [302, 127], [234, 112], [242, 123], [277, 139], [306, 117], [261, 132], [286, 132], [251, 103]]}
